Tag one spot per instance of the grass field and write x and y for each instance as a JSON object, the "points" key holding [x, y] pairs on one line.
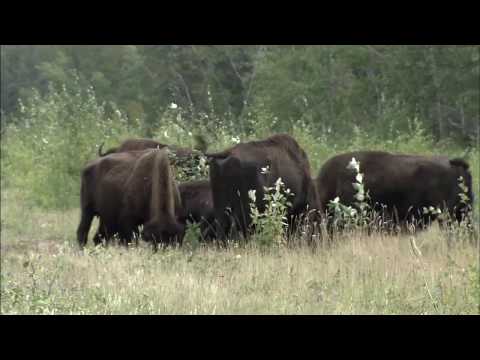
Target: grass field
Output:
{"points": [[43, 273]]}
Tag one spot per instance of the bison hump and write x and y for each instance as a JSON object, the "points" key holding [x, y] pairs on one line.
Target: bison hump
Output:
{"points": [[459, 163]]}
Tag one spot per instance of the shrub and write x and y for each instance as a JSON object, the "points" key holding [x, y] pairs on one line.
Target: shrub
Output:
{"points": [[53, 138], [270, 225]]}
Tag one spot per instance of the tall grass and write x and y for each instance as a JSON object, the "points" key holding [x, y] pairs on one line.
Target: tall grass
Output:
{"points": [[43, 274]]}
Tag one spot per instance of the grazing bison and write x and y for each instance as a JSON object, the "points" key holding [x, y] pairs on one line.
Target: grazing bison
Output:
{"points": [[180, 157], [235, 171], [129, 189], [132, 145], [401, 186], [197, 202], [143, 144]]}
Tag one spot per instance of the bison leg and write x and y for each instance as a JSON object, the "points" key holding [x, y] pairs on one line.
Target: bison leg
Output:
{"points": [[105, 232], [84, 227], [100, 234], [126, 232]]}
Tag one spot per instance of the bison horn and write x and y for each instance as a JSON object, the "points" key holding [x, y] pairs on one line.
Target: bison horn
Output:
{"points": [[100, 149]]}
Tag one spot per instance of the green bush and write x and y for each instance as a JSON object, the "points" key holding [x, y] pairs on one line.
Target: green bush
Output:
{"points": [[55, 136]]}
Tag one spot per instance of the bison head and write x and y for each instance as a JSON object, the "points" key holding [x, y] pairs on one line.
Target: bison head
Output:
{"points": [[163, 233]]}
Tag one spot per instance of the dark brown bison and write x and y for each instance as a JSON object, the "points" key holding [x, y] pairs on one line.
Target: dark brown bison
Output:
{"points": [[401, 187], [197, 202], [129, 189], [235, 171], [180, 157], [132, 145], [143, 144]]}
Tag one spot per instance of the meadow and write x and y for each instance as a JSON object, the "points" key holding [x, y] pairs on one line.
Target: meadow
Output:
{"points": [[43, 272]]}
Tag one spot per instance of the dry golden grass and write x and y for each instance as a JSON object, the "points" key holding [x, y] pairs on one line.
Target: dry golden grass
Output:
{"points": [[43, 273]]}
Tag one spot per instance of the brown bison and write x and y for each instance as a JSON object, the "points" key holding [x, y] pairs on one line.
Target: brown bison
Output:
{"points": [[253, 166], [197, 202], [132, 145], [181, 157], [129, 189], [404, 188], [143, 144]]}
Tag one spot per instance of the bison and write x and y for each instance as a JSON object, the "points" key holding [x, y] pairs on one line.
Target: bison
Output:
{"points": [[253, 166], [404, 188], [129, 189], [181, 157], [132, 145], [197, 202], [143, 144]]}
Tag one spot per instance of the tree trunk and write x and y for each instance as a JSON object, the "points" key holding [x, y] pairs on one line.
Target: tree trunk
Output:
{"points": [[437, 96]]}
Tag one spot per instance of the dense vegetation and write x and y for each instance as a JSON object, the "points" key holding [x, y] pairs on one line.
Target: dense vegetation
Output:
{"points": [[333, 88], [59, 103]]}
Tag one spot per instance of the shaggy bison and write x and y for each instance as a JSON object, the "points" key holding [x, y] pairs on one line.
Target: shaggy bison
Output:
{"points": [[253, 166], [129, 189], [181, 157], [132, 145], [404, 188], [143, 144], [197, 204]]}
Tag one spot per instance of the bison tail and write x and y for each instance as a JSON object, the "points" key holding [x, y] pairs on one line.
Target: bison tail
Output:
{"points": [[165, 194], [459, 163]]}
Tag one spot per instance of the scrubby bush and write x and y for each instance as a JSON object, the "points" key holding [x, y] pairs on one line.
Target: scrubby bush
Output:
{"points": [[271, 224], [56, 134]]}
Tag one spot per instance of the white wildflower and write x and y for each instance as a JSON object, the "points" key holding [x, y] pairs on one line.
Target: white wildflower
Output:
{"points": [[165, 133], [360, 197], [336, 200], [173, 106], [278, 184], [45, 141], [236, 139], [251, 195], [359, 178], [354, 165], [265, 170]]}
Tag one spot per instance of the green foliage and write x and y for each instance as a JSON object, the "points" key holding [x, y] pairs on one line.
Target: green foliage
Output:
{"points": [[53, 139], [193, 235], [348, 216], [270, 225], [377, 88]]}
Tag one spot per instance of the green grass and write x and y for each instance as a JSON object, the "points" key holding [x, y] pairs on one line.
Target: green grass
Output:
{"points": [[43, 273]]}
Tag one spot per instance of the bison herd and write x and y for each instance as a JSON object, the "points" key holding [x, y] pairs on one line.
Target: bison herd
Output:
{"points": [[133, 191]]}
